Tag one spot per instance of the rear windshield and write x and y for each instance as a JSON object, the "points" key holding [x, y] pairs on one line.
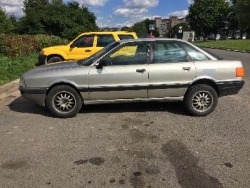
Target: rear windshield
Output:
{"points": [[209, 52], [124, 37]]}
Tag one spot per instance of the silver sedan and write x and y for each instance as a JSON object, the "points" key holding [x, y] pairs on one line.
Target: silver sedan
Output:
{"points": [[135, 70]]}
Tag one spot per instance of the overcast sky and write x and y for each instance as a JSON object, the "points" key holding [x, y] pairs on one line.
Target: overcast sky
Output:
{"points": [[117, 13]]}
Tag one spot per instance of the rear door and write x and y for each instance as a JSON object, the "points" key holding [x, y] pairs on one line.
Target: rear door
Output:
{"points": [[171, 70], [103, 40]]}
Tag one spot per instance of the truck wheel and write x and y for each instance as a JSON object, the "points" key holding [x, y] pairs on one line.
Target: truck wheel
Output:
{"points": [[201, 100], [54, 59], [63, 101]]}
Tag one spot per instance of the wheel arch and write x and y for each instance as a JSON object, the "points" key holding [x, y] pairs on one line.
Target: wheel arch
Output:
{"points": [[206, 81], [70, 84], [55, 55]]}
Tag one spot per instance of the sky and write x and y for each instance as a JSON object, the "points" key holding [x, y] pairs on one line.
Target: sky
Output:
{"points": [[118, 13]]}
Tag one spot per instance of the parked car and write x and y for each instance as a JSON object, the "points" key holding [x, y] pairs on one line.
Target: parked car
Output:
{"points": [[135, 70], [214, 37], [82, 46]]}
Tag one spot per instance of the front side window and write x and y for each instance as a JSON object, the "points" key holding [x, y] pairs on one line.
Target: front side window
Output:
{"points": [[194, 54], [104, 40], [128, 54], [123, 37], [84, 41], [168, 52], [88, 61]]}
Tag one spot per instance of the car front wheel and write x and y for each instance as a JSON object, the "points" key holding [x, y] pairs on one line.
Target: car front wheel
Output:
{"points": [[55, 59], [63, 101], [201, 100]]}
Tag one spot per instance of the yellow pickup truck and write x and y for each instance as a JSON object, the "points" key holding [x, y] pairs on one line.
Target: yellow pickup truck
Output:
{"points": [[82, 46]]}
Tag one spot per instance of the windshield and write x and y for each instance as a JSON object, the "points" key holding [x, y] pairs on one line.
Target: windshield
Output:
{"points": [[88, 61]]}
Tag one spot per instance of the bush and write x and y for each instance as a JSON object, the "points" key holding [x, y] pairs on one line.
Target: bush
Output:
{"points": [[50, 40], [15, 46], [19, 45]]}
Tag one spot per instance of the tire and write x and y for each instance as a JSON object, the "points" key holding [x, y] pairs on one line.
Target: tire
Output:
{"points": [[54, 59], [201, 100], [58, 101]]}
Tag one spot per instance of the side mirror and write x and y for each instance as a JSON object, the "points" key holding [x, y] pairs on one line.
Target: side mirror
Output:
{"points": [[72, 45], [101, 64]]}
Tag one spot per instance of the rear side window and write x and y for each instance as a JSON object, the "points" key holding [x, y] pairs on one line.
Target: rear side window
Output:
{"points": [[168, 52], [123, 37], [194, 54], [104, 40]]}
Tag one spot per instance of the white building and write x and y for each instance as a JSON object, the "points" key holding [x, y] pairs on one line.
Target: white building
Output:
{"points": [[165, 25]]}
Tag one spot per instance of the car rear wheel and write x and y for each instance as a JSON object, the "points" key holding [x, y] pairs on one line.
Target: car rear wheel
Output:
{"points": [[201, 100], [54, 59], [63, 101]]}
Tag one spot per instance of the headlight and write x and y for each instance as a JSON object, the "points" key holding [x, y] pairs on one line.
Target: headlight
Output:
{"points": [[21, 82], [42, 52]]}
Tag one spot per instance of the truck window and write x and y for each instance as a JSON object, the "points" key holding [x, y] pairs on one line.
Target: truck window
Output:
{"points": [[123, 37]]}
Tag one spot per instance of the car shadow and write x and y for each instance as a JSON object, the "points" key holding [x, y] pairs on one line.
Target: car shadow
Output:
{"points": [[22, 105], [171, 107]]}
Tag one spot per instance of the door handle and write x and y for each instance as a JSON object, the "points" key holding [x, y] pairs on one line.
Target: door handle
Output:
{"points": [[140, 70], [87, 50], [186, 68]]}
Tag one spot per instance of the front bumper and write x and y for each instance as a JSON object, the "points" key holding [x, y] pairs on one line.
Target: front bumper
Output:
{"points": [[36, 95], [42, 59], [230, 88]]}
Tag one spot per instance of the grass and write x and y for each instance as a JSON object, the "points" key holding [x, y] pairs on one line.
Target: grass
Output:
{"points": [[11, 69], [242, 45]]}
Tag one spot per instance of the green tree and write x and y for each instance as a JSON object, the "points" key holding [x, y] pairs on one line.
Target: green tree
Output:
{"points": [[56, 18], [242, 11], [175, 30], [233, 24], [35, 3], [139, 28], [143, 27], [208, 16], [6, 26], [34, 11], [125, 28]]}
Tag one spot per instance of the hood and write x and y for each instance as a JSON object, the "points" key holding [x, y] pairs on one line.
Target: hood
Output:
{"points": [[58, 66], [54, 47]]}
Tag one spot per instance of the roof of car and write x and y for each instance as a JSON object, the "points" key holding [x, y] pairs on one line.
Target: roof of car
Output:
{"points": [[150, 40], [106, 32]]}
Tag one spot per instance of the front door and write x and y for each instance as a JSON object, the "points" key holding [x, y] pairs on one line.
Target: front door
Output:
{"points": [[82, 47], [125, 75]]}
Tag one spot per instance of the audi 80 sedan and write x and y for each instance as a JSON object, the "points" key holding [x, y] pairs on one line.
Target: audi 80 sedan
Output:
{"points": [[135, 70]]}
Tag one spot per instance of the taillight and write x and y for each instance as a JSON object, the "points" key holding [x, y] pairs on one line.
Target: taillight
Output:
{"points": [[240, 72]]}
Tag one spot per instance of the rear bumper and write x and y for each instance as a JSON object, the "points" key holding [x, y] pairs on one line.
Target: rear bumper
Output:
{"points": [[42, 59], [230, 88], [36, 95]]}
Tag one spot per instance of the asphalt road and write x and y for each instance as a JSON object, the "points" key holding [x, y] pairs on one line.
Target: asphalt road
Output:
{"points": [[153, 145]]}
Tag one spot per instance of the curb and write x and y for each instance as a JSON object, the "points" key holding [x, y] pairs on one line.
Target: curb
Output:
{"points": [[8, 89], [240, 51], [9, 86]]}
